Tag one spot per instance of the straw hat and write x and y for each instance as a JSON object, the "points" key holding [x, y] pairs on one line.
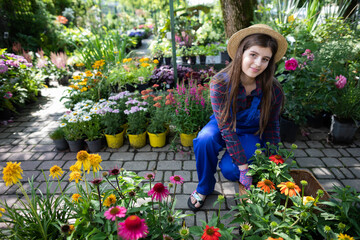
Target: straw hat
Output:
{"points": [[237, 37]]}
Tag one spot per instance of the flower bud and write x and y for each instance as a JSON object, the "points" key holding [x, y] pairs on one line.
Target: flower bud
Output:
{"points": [[267, 143], [304, 183], [258, 145], [341, 226], [280, 144], [270, 204], [258, 152], [327, 229], [298, 230], [320, 193], [221, 198], [105, 174], [294, 146], [273, 224], [303, 214], [170, 185]]}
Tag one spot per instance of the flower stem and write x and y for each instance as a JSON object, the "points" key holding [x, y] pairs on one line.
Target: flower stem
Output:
{"points": [[86, 185], [120, 195], [117, 229], [286, 202], [172, 200], [98, 190], [218, 215], [59, 184]]}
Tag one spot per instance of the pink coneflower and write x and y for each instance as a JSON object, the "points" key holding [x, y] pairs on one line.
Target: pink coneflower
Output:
{"points": [[159, 191], [114, 212], [133, 228], [150, 176], [177, 179]]}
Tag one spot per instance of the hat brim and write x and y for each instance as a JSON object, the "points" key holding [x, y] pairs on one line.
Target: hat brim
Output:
{"points": [[237, 37]]}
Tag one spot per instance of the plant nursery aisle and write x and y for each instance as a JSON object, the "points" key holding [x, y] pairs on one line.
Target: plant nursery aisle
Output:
{"points": [[26, 140]]}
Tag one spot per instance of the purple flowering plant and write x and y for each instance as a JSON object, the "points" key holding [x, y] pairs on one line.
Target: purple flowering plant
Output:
{"points": [[112, 111], [136, 114]]}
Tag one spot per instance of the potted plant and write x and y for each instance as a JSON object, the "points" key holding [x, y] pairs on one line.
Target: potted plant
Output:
{"points": [[345, 107], [93, 131], [190, 110], [72, 126], [59, 140], [157, 129], [114, 119], [137, 122]]}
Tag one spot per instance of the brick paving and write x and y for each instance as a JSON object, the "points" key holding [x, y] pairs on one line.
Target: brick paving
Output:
{"points": [[26, 140]]}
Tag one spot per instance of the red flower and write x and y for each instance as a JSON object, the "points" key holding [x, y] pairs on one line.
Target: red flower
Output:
{"points": [[291, 64], [211, 233], [276, 159]]}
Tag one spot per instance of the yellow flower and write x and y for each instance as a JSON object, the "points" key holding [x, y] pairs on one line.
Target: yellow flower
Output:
{"points": [[146, 59], [344, 237], [307, 199], [72, 228], [1, 210], [82, 83], [79, 64], [76, 197], [83, 159], [77, 77], [145, 64], [56, 171], [12, 173], [84, 89], [75, 176], [75, 168], [98, 74], [88, 74], [291, 18], [156, 61], [111, 199], [95, 160]]}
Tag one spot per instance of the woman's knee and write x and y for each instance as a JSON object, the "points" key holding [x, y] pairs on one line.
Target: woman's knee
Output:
{"points": [[207, 139]]}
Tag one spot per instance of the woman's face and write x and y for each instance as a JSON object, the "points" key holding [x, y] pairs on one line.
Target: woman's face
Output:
{"points": [[255, 60]]}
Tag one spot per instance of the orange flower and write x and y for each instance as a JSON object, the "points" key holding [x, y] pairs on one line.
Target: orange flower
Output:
{"points": [[276, 159], [289, 188], [170, 90], [158, 105], [155, 85], [266, 185], [211, 233], [168, 102], [145, 97], [157, 98], [270, 238]]}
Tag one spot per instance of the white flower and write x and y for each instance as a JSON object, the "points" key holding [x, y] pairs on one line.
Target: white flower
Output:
{"points": [[62, 125], [86, 118], [73, 120]]}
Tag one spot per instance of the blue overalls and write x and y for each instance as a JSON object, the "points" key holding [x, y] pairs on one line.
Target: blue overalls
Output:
{"points": [[209, 143]]}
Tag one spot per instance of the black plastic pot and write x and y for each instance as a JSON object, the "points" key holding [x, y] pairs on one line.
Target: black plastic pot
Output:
{"points": [[141, 87], [288, 130], [76, 145], [202, 59], [184, 59], [168, 61], [61, 144], [225, 57], [192, 60], [129, 87], [95, 146], [342, 130]]}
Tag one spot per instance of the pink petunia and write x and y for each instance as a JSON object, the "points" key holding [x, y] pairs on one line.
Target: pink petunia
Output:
{"points": [[177, 179], [340, 81], [114, 212], [291, 64], [133, 228], [159, 192]]}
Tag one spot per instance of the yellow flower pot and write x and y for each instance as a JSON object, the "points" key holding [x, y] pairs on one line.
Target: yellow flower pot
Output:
{"points": [[137, 141], [187, 139], [115, 141], [157, 139]]}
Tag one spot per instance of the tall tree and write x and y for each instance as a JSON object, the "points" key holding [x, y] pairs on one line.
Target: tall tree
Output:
{"points": [[237, 14]]}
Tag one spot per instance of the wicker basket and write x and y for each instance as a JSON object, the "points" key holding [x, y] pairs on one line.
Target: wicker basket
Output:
{"points": [[298, 175]]}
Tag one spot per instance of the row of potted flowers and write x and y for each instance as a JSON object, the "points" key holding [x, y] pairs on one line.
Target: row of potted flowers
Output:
{"points": [[187, 108]]}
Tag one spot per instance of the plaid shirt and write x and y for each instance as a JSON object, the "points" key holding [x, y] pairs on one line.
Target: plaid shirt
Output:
{"points": [[233, 144]]}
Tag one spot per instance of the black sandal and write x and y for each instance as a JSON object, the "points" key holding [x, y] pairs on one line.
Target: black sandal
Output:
{"points": [[198, 200]]}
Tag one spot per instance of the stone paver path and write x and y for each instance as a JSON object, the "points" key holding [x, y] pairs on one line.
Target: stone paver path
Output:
{"points": [[26, 140]]}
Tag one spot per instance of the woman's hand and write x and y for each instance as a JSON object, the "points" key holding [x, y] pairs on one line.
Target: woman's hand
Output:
{"points": [[245, 179]]}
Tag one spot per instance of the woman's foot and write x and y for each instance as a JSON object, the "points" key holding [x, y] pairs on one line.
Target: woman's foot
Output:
{"points": [[196, 201]]}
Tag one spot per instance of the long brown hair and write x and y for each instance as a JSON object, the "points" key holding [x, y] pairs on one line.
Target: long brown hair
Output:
{"points": [[266, 79]]}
